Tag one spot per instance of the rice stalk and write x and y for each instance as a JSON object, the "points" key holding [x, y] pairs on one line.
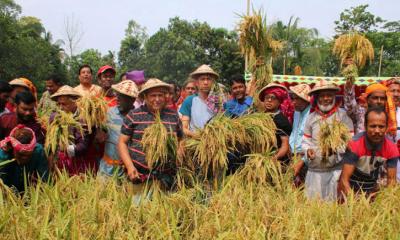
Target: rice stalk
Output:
{"points": [[58, 135], [333, 138], [93, 111], [356, 48], [257, 45], [259, 131], [350, 72], [210, 146], [43, 115], [80, 208], [159, 144]]}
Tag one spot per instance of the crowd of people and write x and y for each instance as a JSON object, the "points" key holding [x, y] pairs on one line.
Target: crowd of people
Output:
{"points": [[367, 163]]}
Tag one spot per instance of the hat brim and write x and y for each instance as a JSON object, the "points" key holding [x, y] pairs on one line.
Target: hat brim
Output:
{"points": [[19, 85], [57, 95], [194, 74], [297, 94], [318, 89], [271, 85], [114, 87], [145, 89], [105, 70]]}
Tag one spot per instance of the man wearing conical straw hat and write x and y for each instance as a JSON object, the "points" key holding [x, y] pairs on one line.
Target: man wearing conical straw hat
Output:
{"points": [[198, 109], [130, 146], [126, 93], [323, 167], [301, 102], [77, 158]]}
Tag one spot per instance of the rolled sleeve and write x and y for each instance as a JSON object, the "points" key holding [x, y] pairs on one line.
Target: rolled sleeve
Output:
{"points": [[350, 157], [392, 163]]}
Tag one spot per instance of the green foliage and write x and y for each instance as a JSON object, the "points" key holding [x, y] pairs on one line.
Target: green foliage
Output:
{"points": [[23, 49], [303, 47], [131, 53], [172, 53], [93, 58], [357, 19]]}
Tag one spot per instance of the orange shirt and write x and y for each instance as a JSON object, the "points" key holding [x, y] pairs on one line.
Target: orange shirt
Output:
{"points": [[111, 101]]}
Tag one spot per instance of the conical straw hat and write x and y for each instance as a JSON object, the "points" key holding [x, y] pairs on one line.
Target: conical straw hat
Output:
{"points": [[302, 91], [204, 69], [153, 83], [126, 87], [65, 91], [323, 85]]}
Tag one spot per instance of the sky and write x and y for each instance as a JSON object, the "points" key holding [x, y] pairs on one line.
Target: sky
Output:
{"points": [[104, 22]]}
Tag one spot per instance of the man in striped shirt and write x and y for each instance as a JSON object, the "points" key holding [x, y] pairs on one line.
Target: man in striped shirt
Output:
{"points": [[129, 146], [367, 153]]}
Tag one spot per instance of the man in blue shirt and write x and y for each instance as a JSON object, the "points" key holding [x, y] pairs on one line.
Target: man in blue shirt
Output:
{"points": [[301, 101], [240, 103], [111, 164], [198, 109]]}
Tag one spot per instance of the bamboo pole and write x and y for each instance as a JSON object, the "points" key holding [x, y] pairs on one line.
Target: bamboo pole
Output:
{"points": [[246, 60], [380, 62]]}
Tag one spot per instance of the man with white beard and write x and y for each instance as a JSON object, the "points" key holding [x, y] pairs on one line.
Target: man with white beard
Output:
{"points": [[323, 173]]}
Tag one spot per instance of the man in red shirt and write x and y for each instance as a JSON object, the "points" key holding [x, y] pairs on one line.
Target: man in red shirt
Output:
{"points": [[367, 153], [24, 114]]}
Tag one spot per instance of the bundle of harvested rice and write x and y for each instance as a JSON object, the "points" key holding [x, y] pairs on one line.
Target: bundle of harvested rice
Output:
{"points": [[354, 50], [43, 116], [262, 169], [333, 138], [159, 144], [58, 136], [93, 110], [258, 47], [350, 72], [210, 146], [260, 132]]}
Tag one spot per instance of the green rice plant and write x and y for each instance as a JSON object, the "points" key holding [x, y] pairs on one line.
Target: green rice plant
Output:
{"points": [[333, 138], [58, 135]]}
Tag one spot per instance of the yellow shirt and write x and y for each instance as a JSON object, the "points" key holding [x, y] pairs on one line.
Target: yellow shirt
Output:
{"points": [[94, 90]]}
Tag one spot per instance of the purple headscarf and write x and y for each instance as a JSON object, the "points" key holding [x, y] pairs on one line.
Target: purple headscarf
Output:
{"points": [[137, 76]]}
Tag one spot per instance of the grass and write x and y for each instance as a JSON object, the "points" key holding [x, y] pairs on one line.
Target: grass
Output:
{"points": [[82, 208]]}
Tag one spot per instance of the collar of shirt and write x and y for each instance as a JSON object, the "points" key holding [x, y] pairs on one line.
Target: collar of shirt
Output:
{"points": [[370, 146]]}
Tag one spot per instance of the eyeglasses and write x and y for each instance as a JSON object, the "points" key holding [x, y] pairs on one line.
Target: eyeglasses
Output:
{"points": [[270, 98]]}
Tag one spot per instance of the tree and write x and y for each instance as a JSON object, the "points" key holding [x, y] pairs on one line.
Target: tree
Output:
{"points": [[357, 19], [172, 53], [131, 52], [302, 48], [73, 34], [23, 50]]}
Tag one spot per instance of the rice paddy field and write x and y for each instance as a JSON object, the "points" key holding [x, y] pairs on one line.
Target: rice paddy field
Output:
{"points": [[245, 206]]}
